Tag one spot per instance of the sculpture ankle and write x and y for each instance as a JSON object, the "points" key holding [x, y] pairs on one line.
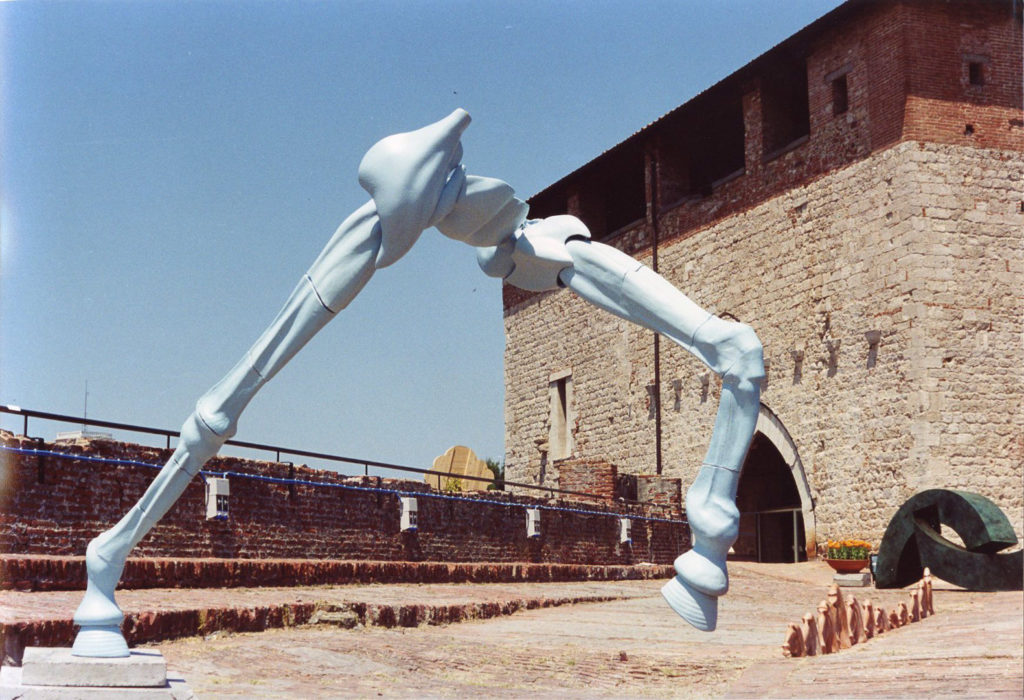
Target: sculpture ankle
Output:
{"points": [[711, 508], [714, 525], [701, 574], [103, 576]]}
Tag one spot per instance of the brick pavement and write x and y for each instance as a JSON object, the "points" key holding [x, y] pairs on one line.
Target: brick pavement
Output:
{"points": [[628, 645], [154, 615], [627, 648]]}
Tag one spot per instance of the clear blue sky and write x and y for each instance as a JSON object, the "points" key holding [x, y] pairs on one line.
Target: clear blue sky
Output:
{"points": [[170, 169]]}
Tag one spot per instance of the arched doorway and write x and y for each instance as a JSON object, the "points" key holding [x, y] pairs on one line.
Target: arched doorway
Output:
{"points": [[776, 509]]}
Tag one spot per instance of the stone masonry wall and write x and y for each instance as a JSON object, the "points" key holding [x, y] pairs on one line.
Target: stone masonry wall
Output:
{"points": [[54, 505], [917, 246]]}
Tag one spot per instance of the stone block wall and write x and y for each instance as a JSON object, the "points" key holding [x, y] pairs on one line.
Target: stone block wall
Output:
{"points": [[886, 294], [879, 257], [53, 505]]}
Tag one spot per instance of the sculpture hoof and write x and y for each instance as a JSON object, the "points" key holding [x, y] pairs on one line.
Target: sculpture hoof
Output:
{"points": [[696, 607], [100, 641]]}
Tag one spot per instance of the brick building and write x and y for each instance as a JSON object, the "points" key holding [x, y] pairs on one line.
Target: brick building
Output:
{"points": [[855, 195]]}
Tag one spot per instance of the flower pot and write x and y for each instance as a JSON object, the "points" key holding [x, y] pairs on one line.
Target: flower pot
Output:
{"points": [[847, 566]]}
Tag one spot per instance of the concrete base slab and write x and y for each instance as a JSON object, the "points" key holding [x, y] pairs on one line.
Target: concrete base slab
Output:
{"points": [[49, 673], [11, 688], [861, 580], [57, 666]]}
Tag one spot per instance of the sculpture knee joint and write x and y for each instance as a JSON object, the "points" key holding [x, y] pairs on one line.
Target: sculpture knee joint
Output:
{"points": [[746, 368], [537, 255], [200, 442], [485, 213]]}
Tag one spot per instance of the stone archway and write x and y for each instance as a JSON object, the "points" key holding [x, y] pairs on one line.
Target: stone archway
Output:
{"points": [[777, 511]]}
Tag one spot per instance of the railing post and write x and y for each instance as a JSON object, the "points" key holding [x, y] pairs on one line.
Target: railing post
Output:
{"points": [[40, 474], [757, 531], [796, 539]]}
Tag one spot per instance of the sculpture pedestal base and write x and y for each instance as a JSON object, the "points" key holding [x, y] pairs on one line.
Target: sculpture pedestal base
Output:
{"points": [[49, 673], [858, 580]]}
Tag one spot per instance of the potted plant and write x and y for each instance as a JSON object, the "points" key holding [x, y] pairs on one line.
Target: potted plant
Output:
{"points": [[848, 556]]}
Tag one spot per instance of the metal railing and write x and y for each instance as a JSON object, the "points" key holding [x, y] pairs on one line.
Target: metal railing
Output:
{"points": [[26, 414]]}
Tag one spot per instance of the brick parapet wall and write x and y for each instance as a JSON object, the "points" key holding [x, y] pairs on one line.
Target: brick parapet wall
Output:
{"points": [[54, 505], [666, 491], [919, 242], [593, 476], [943, 106]]}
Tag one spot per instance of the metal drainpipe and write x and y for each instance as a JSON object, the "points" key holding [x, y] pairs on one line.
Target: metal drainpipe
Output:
{"points": [[653, 157]]}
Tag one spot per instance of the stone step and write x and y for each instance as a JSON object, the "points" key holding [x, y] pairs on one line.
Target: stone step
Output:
{"points": [[64, 573], [159, 625], [858, 580]]}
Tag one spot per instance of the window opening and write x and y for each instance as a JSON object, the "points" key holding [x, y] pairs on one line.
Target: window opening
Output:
{"points": [[840, 96], [717, 144], [614, 195], [976, 73], [560, 435], [548, 203], [786, 114]]}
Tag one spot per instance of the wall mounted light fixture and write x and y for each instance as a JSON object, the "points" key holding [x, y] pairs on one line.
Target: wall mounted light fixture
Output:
{"points": [[409, 514], [218, 492]]}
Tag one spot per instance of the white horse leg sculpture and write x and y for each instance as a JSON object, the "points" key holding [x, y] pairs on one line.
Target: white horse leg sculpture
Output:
{"points": [[733, 351], [557, 252], [416, 182]]}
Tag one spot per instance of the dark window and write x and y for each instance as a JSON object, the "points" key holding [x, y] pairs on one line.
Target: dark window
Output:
{"points": [[976, 73], [700, 146], [548, 203], [785, 111], [624, 190], [716, 144], [840, 97], [613, 192]]}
